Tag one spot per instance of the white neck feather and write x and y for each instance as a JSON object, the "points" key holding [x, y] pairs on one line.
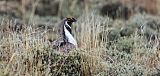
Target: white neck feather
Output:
{"points": [[70, 37], [67, 24]]}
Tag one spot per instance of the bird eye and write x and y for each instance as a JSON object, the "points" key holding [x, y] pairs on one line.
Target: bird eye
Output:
{"points": [[69, 19]]}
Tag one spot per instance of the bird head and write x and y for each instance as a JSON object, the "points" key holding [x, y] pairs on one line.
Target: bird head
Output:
{"points": [[69, 21]]}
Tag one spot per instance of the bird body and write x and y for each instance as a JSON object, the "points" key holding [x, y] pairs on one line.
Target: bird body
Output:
{"points": [[70, 37], [65, 41]]}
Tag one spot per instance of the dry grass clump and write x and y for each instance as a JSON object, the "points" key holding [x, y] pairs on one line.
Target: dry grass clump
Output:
{"points": [[28, 52]]}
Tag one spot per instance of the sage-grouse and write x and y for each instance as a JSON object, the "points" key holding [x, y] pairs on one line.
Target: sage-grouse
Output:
{"points": [[65, 41]]}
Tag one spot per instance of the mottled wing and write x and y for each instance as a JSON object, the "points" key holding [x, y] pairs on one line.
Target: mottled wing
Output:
{"points": [[57, 43], [66, 48]]}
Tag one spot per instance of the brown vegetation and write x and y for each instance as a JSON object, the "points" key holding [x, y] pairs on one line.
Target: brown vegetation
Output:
{"points": [[106, 47], [127, 8], [15, 8], [150, 6]]}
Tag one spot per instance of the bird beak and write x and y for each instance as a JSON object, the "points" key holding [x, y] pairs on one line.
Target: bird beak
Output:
{"points": [[73, 20]]}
